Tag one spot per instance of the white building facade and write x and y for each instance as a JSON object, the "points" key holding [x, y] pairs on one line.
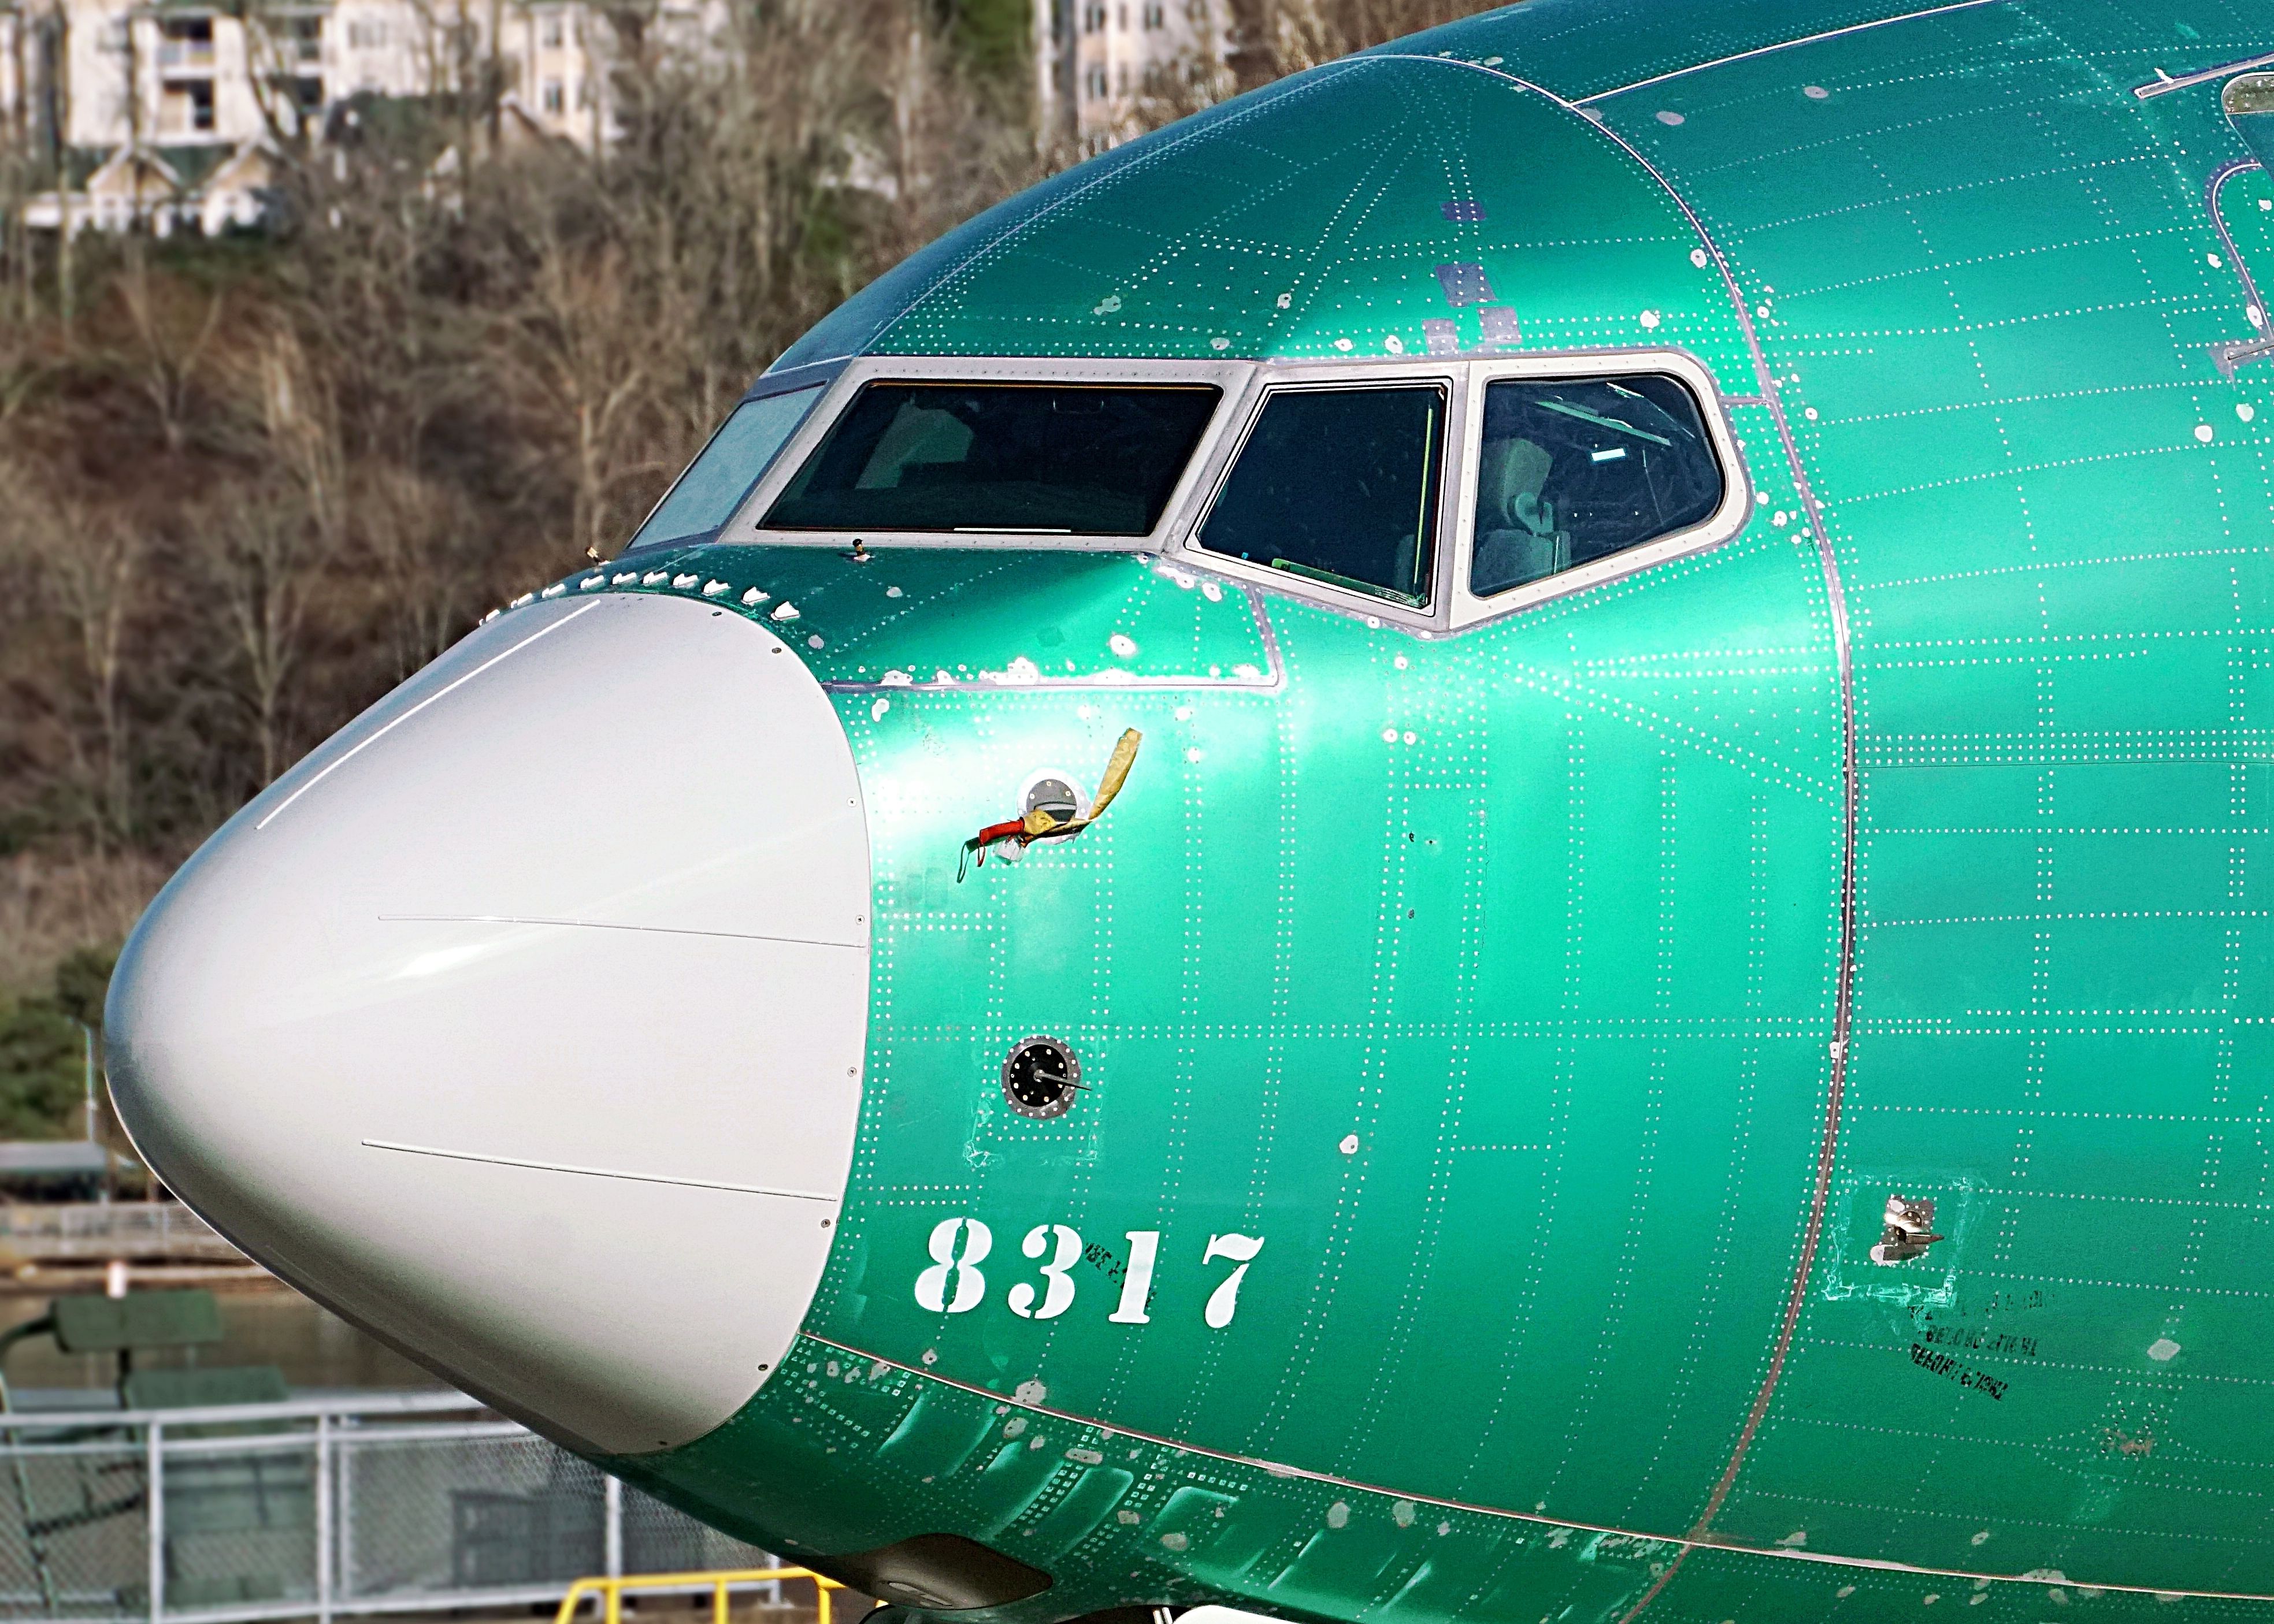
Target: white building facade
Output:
{"points": [[169, 114], [1099, 64]]}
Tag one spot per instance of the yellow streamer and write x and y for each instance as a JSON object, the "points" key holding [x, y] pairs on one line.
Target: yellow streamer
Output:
{"points": [[1039, 823]]}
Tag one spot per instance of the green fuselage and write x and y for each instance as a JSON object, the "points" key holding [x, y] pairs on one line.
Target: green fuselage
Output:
{"points": [[1543, 1014]]}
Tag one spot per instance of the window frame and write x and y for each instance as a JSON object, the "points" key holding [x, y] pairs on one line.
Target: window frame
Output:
{"points": [[1246, 385], [1723, 523], [742, 526], [1334, 377]]}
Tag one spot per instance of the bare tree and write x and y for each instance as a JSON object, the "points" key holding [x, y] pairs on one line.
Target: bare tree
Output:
{"points": [[422, 538], [173, 326], [260, 552], [87, 560], [54, 25], [279, 49], [96, 579], [579, 346], [299, 422], [1272, 38], [18, 166]]}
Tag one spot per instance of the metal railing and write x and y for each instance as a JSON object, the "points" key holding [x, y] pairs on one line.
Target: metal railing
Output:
{"points": [[89, 1232], [610, 1590], [409, 1503]]}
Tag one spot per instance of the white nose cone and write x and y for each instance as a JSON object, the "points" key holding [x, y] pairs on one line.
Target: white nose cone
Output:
{"points": [[523, 1022]]}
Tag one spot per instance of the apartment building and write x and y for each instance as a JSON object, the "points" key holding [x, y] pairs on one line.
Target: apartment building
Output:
{"points": [[1099, 64], [169, 114]]}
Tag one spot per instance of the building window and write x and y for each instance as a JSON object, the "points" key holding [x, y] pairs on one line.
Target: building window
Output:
{"points": [[1121, 17], [1093, 82], [303, 39], [550, 33], [1121, 78], [186, 42], [554, 99], [1156, 15], [366, 33], [584, 94], [187, 108], [1093, 16]]}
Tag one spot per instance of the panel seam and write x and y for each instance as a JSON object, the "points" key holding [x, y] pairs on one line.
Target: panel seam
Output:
{"points": [[1278, 1468], [597, 1172], [1766, 50], [1836, 608]]}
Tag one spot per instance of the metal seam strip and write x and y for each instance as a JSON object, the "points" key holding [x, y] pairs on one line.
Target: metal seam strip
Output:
{"points": [[2229, 355], [1764, 50], [603, 924], [1277, 1468], [1836, 607], [361, 745], [593, 1172], [2161, 86], [2224, 173]]}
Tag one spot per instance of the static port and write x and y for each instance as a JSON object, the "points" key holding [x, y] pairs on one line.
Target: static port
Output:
{"points": [[1054, 796], [1041, 1078]]}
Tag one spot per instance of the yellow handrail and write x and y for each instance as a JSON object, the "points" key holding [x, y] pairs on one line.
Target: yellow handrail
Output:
{"points": [[611, 1592]]}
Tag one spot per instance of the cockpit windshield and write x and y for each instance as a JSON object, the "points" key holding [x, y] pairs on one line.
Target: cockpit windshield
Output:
{"points": [[1573, 472], [1339, 485], [1045, 459], [716, 482]]}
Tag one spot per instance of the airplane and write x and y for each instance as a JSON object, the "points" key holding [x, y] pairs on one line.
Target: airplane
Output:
{"points": [[1484, 840]]}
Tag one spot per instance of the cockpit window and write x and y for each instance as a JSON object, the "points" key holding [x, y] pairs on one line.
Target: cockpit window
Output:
{"points": [[1045, 459], [716, 482], [1574, 471], [1339, 485]]}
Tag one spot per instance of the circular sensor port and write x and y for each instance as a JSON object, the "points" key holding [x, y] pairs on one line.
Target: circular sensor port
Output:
{"points": [[1054, 795], [1041, 1078]]}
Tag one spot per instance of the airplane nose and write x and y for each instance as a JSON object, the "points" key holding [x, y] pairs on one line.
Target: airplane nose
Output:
{"points": [[523, 1022]]}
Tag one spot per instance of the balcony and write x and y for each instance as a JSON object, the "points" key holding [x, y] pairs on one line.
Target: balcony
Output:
{"points": [[186, 55]]}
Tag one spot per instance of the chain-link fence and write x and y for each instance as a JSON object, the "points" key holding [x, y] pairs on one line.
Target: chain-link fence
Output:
{"points": [[311, 1510]]}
